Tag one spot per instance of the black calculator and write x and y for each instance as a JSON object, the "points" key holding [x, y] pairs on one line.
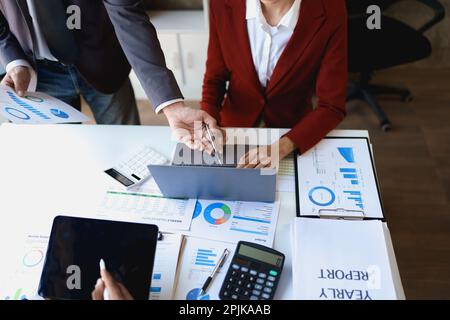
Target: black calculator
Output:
{"points": [[253, 274]]}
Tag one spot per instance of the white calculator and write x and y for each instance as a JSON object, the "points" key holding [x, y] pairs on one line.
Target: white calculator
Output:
{"points": [[134, 171]]}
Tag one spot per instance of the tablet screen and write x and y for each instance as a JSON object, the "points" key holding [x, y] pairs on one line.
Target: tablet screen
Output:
{"points": [[76, 246]]}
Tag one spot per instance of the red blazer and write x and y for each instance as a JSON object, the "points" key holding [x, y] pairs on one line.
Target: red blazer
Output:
{"points": [[314, 62]]}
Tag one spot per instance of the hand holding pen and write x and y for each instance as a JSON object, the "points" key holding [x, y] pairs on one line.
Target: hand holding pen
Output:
{"points": [[212, 138], [107, 288]]}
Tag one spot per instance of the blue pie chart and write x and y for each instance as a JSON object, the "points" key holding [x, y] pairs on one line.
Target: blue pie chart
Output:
{"points": [[17, 113], [58, 113], [197, 210], [194, 294], [224, 210], [322, 196]]}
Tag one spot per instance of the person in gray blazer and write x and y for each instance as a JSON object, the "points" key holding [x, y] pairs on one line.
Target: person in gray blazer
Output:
{"points": [[40, 49]]}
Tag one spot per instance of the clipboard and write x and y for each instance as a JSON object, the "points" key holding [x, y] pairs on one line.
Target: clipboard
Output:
{"points": [[339, 212]]}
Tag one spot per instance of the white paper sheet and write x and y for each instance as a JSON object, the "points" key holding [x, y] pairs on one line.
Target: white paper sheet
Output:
{"points": [[198, 260], [341, 260], [336, 178], [233, 221], [19, 279], [37, 107], [142, 207], [165, 267]]}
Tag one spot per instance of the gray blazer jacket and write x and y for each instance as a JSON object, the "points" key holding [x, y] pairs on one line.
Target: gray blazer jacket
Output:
{"points": [[114, 35]]}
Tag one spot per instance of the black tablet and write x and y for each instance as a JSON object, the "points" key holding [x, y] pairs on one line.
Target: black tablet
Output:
{"points": [[76, 246]]}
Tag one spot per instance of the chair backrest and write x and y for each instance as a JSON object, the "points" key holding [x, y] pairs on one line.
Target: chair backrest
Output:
{"points": [[359, 7], [439, 14]]}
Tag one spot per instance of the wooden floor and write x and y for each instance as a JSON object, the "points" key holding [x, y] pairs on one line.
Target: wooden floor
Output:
{"points": [[413, 164]]}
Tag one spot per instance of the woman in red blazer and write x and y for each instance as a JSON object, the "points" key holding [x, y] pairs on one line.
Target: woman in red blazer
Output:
{"points": [[273, 75]]}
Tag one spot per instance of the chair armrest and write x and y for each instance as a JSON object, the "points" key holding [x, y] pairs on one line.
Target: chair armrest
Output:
{"points": [[439, 14]]}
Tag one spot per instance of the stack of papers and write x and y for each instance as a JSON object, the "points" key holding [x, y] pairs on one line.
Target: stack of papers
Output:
{"points": [[343, 260]]}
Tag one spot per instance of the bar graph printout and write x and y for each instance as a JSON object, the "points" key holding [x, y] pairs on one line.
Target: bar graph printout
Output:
{"points": [[198, 260], [336, 178]]}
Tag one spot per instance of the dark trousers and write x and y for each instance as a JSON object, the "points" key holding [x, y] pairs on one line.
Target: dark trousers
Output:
{"points": [[67, 84]]}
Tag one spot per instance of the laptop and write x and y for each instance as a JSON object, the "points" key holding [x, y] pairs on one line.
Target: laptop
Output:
{"points": [[198, 175]]}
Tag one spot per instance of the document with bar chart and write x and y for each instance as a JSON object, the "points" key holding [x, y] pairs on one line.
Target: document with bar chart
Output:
{"points": [[336, 178], [197, 262], [232, 221], [165, 267], [37, 107]]}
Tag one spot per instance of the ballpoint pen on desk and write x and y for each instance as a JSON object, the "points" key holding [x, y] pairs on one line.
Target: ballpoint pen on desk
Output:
{"points": [[211, 139], [103, 267], [217, 268]]}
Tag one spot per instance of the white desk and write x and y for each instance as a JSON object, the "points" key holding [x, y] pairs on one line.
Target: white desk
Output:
{"points": [[49, 170]]}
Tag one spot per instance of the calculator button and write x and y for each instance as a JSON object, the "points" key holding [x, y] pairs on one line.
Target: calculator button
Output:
{"points": [[243, 276], [251, 279], [262, 275], [240, 283], [249, 286], [253, 272], [258, 287], [265, 296], [268, 290], [244, 269], [231, 280], [246, 293], [273, 273], [237, 290], [229, 286], [260, 281], [256, 292], [254, 298], [270, 278], [234, 297], [269, 284], [225, 293], [234, 273], [235, 267]]}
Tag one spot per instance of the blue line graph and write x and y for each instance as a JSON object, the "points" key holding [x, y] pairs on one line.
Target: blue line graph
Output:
{"points": [[27, 106], [250, 231], [251, 219]]}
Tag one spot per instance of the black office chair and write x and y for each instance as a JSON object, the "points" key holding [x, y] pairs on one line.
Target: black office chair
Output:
{"points": [[394, 44]]}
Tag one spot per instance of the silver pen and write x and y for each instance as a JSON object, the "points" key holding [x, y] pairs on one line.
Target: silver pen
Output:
{"points": [[217, 268], [210, 137]]}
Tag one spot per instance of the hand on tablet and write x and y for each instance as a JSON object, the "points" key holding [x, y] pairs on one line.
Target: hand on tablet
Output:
{"points": [[115, 290]]}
